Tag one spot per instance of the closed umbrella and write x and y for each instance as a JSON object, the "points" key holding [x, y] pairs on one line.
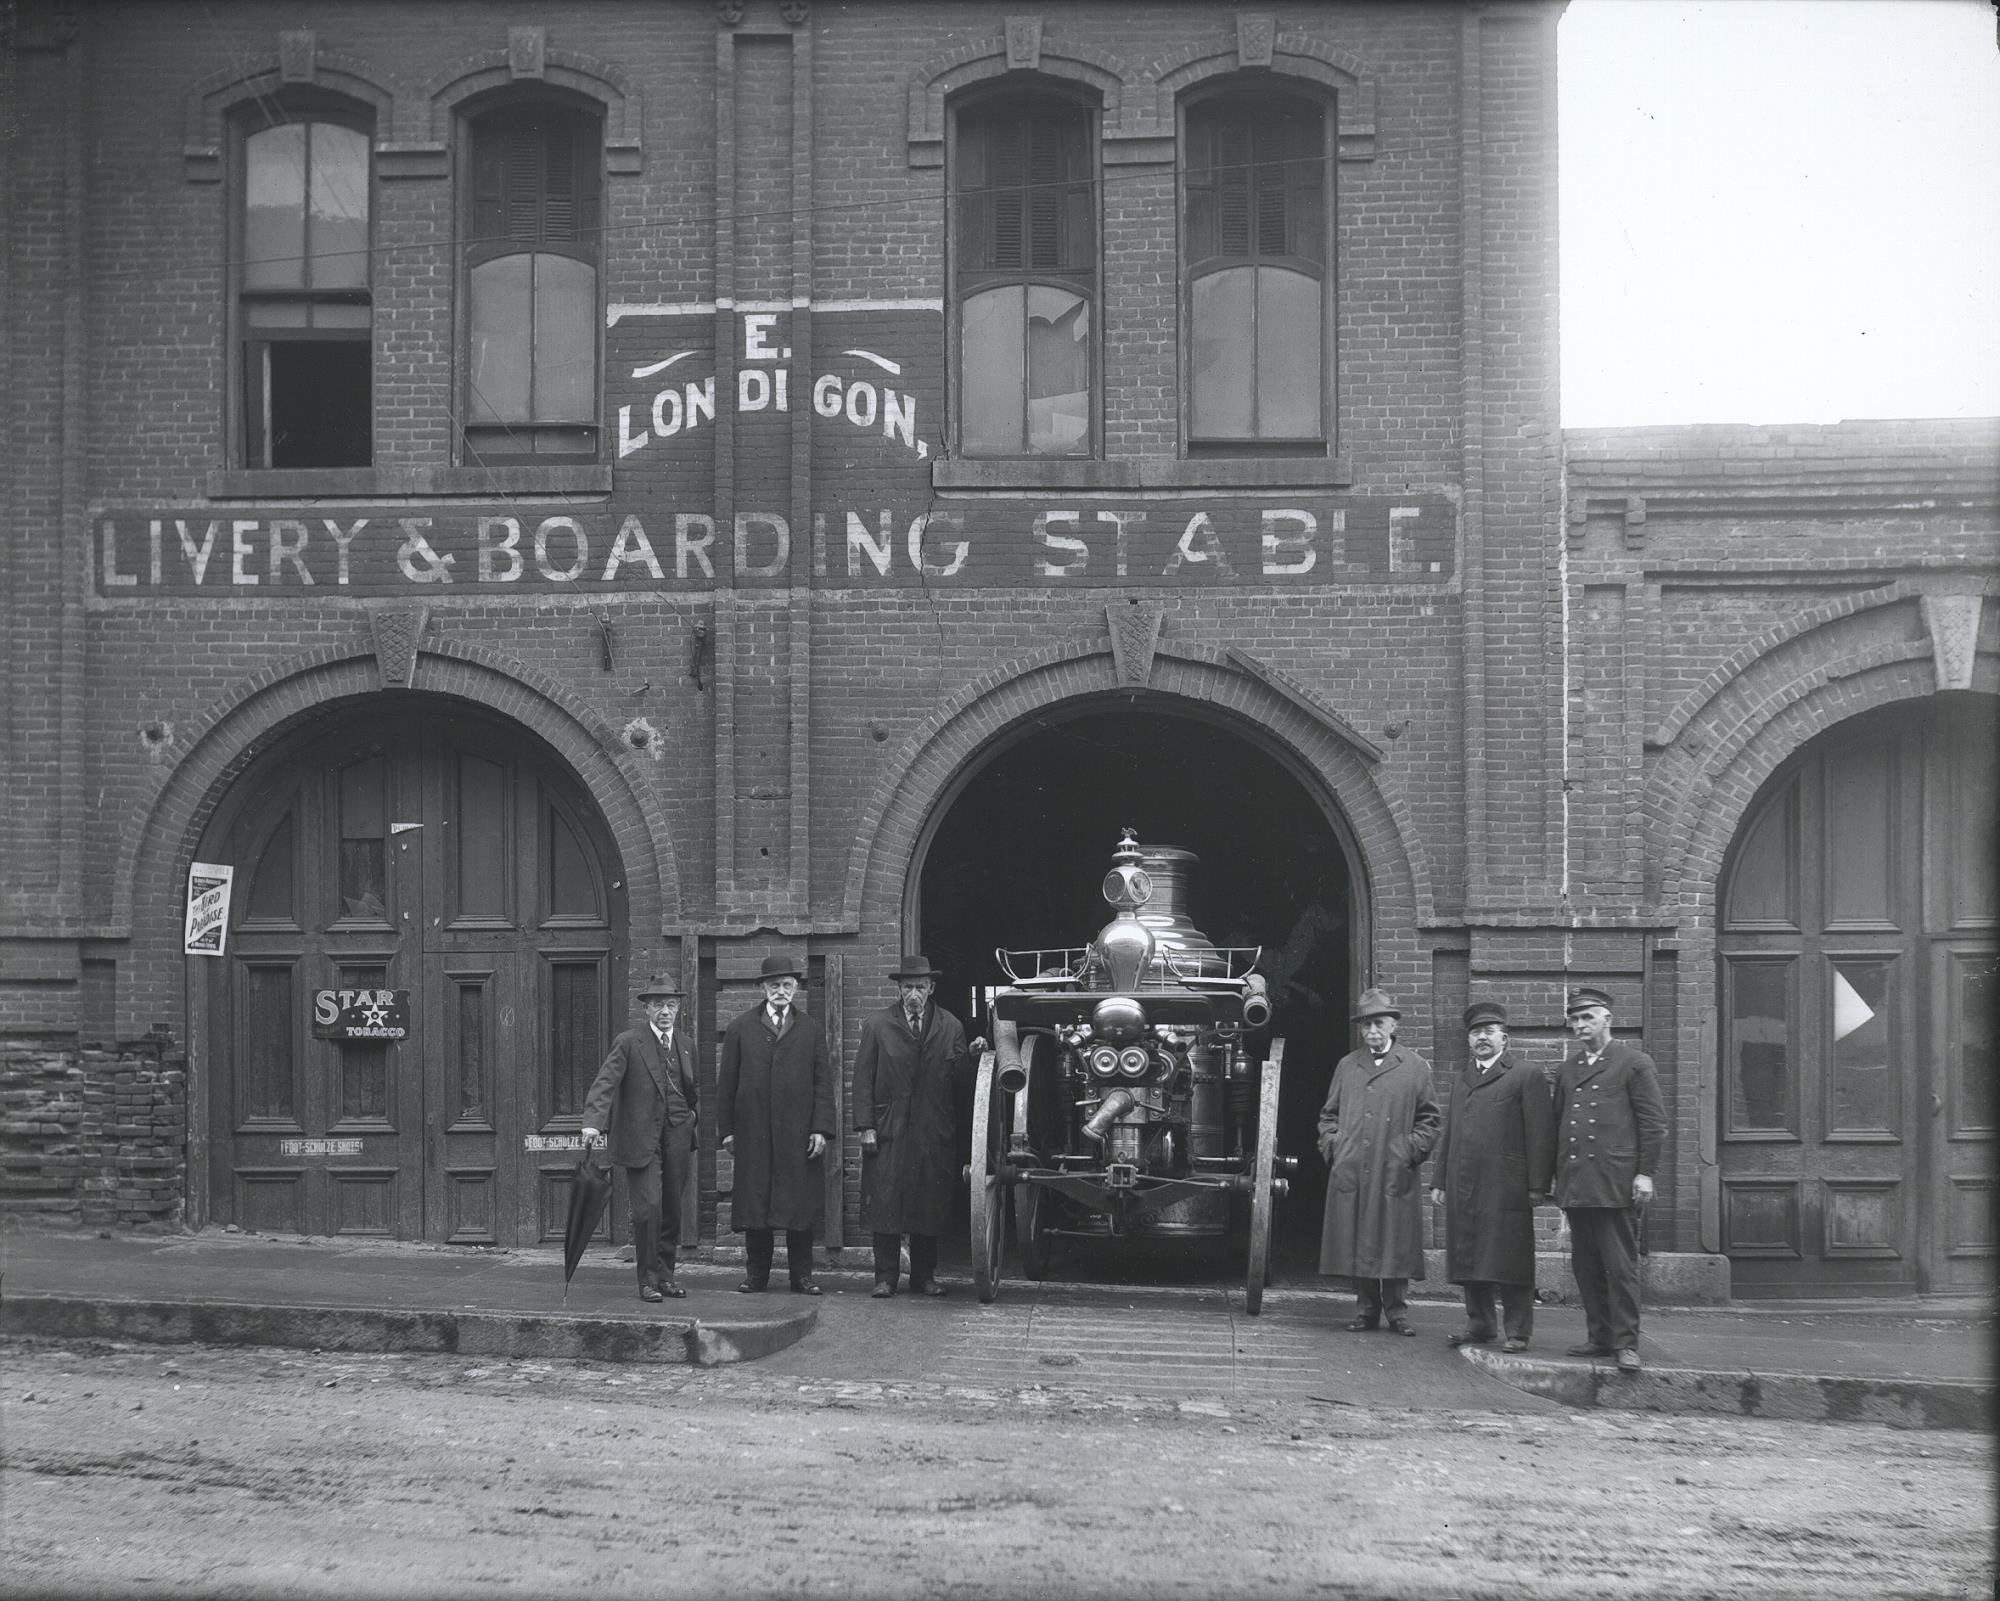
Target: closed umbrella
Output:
{"points": [[589, 1189]]}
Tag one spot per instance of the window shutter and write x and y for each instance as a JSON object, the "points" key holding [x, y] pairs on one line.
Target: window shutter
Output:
{"points": [[1046, 194], [1268, 181], [1007, 177], [1232, 182]]}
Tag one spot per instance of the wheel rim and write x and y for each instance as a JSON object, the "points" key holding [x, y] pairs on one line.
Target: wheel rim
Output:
{"points": [[1262, 1170], [988, 1198]]}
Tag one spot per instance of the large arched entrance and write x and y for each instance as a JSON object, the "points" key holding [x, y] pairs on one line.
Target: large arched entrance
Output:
{"points": [[425, 847], [1858, 972], [1017, 850]]}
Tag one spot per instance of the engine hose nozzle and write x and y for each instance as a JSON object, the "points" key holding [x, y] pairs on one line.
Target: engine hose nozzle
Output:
{"points": [[1256, 1002], [1114, 1106]]}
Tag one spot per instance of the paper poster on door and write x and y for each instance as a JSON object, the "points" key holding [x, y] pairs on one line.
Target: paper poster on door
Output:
{"points": [[207, 908]]}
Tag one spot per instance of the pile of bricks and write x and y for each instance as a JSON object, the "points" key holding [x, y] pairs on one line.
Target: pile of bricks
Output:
{"points": [[95, 1134]]}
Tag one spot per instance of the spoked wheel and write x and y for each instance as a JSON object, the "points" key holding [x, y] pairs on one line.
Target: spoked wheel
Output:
{"points": [[1033, 1206], [989, 1196], [1262, 1172]]}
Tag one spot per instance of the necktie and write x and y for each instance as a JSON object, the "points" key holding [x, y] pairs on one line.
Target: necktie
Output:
{"points": [[778, 1016], [915, 1015]]}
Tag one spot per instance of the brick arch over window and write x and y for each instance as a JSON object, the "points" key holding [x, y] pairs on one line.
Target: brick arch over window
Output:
{"points": [[1294, 55], [1395, 877], [530, 67], [1698, 794], [299, 66], [986, 60], [221, 745]]}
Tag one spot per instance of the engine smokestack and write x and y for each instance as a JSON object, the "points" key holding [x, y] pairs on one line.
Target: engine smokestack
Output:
{"points": [[1012, 1071]]}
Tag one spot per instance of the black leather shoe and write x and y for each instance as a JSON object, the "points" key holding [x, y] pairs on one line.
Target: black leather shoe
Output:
{"points": [[1468, 1337], [1398, 1325], [804, 1287], [1361, 1325], [929, 1287], [883, 1291], [672, 1291], [650, 1292], [750, 1287], [1587, 1350]]}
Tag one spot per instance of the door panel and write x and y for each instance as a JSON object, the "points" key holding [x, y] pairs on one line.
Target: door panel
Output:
{"points": [[1857, 974], [444, 854]]}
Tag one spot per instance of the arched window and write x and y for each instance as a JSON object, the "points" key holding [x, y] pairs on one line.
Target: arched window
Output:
{"points": [[1024, 269], [304, 314], [532, 231], [1255, 191]]}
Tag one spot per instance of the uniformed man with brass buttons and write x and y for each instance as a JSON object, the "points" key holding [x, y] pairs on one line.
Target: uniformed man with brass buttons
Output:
{"points": [[1611, 1128]]}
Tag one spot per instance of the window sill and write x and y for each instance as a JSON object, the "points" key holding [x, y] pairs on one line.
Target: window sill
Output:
{"points": [[414, 483], [1148, 472]]}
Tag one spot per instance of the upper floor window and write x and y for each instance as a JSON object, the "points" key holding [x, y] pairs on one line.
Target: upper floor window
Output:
{"points": [[1024, 268], [1256, 280], [303, 310], [531, 284]]}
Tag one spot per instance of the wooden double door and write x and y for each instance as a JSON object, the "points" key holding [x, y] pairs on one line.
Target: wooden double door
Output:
{"points": [[443, 853], [1859, 977]]}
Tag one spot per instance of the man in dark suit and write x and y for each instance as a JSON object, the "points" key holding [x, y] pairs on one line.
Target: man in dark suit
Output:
{"points": [[774, 1110], [1491, 1164], [1611, 1128], [646, 1094], [907, 1074]]}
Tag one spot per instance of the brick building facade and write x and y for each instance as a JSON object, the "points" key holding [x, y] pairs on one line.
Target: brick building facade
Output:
{"points": [[548, 497]]}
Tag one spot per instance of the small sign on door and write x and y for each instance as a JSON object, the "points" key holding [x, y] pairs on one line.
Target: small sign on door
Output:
{"points": [[207, 908], [361, 1014]]}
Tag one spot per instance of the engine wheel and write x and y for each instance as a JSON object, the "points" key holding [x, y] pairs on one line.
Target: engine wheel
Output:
{"points": [[1263, 1165], [989, 1196], [1033, 1205]]}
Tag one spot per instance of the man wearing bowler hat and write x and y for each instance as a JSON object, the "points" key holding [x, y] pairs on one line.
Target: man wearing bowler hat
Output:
{"points": [[1379, 1123], [1611, 1126], [1493, 1163], [907, 1074], [645, 1093], [774, 1110]]}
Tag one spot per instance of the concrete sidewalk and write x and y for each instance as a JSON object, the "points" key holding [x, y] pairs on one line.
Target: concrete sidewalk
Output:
{"points": [[1911, 1364]]}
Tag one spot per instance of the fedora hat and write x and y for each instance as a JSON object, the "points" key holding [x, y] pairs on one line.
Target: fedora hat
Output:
{"points": [[781, 967], [661, 986], [1582, 1000], [915, 967], [1485, 1012], [1375, 1003]]}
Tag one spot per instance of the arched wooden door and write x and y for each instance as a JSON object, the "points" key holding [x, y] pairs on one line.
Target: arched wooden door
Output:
{"points": [[444, 853], [1859, 976]]}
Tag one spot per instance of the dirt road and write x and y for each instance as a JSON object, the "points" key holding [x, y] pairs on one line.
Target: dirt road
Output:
{"points": [[166, 1471]]}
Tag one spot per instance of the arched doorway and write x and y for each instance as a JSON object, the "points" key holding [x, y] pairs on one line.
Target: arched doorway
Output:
{"points": [[426, 847], [1017, 849], [1858, 976]]}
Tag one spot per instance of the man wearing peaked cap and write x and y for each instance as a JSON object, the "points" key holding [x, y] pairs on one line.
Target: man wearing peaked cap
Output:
{"points": [[1377, 1126], [645, 1093], [774, 1095], [1611, 1128], [908, 1070], [1493, 1162]]}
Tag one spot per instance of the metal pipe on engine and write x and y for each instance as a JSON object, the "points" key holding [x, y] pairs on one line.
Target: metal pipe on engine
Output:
{"points": [[1256, 1001], [1114, 1106], [1012, 1071]]}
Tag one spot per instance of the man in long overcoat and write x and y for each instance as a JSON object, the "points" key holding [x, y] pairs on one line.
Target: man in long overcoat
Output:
{"points": [[1611, 1130], [1493, 1159], [646, 1094], [1379, 1123], [774, 1111], [907, 1074]]}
